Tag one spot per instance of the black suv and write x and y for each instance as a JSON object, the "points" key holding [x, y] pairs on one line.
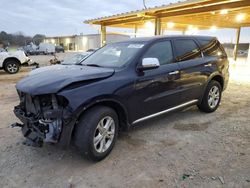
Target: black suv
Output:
{"points": [[119, 86]]}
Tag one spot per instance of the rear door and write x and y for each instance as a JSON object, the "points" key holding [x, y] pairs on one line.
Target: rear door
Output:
{"points": [[158, 89], [191, 63]]}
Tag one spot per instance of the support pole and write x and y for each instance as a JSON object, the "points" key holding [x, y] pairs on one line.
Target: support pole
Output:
{"points": [[162, 31], [103, 35], [136, 31], [236, 47], [248, 58], [157, 26]]}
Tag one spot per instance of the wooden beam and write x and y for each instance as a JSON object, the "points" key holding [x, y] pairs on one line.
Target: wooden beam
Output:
{"points": [[135, 19], [193, 5], [201, 23]]}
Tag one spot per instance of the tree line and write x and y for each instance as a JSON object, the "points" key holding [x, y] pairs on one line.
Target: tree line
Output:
{"points": [[19, 39]]}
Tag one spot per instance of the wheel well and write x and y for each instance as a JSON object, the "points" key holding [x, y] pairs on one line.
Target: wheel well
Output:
{"points": [[219, 79], [11, 59], [119, 109]]}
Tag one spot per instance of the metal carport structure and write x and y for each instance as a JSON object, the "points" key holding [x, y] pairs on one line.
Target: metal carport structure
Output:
{"points": [[183, 16]]}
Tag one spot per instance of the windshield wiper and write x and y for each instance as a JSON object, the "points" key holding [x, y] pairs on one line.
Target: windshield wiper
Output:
{"points": [[91, 65]]}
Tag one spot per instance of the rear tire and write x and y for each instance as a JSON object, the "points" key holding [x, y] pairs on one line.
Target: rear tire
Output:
{"points": [[212, 97], [96, 132], [12, 67]]}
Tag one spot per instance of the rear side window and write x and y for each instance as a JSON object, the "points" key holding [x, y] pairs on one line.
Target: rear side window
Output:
{"points": [[162, 51], [212, 48], [186, 49]]}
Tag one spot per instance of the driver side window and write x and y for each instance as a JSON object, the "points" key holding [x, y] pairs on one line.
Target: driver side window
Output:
{"points": [[162, 51]]}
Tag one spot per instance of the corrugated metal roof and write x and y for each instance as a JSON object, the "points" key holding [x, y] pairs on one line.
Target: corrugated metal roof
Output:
{"points": [[151, 9], [200, 13], [87, 35]]}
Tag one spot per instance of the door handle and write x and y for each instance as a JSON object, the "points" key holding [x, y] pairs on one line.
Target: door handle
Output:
{"points": [[208, 65], [173, 73]]}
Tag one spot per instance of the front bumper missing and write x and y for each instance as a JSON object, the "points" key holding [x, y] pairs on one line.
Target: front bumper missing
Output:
{"points": [[36, 132], [30, 63], [31, 128]]}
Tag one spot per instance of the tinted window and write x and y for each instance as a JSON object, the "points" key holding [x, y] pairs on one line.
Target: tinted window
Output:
{"points": [[186, 49], [212, 48], [162, 51]]}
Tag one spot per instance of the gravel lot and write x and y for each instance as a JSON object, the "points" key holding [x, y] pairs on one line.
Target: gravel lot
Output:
{"points": [[181, 149]]}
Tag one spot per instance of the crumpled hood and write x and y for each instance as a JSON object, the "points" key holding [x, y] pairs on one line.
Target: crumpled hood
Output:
{"points": [[56, 78]]}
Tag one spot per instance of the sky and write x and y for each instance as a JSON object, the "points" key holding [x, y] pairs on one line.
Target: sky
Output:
{"points": [[65, 17]]}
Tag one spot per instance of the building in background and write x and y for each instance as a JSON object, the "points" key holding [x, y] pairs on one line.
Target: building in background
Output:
{"points": [[243, 49], [84, 42]]}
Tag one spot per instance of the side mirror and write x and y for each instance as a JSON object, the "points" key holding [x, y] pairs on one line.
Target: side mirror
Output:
{"points": [[149, 63]]}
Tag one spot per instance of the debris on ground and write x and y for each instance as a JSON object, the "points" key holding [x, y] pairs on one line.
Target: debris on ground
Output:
{"points": [[61, 156], [185, 176], [71, 185], [190, 174], [221, 180]]}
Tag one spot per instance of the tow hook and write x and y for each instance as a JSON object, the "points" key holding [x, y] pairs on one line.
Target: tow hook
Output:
{"points": [[16, 125]]}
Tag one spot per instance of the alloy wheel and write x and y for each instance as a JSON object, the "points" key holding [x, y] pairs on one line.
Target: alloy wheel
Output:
{"points": [[213, 97], [104, 134], [12, 67]]}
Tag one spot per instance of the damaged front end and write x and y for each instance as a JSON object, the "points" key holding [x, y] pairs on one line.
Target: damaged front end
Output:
{"points": [[43, 117]]}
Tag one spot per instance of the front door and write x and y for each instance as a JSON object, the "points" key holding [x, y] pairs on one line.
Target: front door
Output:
{"points": [[158, 89]]}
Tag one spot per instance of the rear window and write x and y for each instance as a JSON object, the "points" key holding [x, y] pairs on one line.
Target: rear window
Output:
{"points": [[186, 49], [212, 48]]}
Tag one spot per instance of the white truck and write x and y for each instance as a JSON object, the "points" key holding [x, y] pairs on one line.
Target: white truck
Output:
{"points": [[46, 48], [11, 61]]}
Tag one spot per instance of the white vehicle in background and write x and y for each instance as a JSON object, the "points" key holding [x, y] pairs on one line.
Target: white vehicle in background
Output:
{"points": [[11, 61], [46, 48], [2, 50]]}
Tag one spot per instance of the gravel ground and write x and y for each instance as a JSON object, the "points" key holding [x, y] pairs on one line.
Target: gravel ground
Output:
{"points": [[181, 149]]}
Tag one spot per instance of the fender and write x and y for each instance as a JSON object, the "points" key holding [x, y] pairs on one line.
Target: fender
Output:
{"points": [[208, 80], [104, 100], [101, 100]]}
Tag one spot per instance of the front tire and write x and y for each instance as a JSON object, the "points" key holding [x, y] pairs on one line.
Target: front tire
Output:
{"points": [[212, 97], [12, 67], [96, 132]]}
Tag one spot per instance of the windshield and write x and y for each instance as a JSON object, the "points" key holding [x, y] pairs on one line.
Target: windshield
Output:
{"points": [[75, 59], [113, 55]]}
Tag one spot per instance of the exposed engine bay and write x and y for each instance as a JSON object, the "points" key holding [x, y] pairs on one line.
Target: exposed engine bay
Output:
{"points": [[50, 105], [42, 116]]}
